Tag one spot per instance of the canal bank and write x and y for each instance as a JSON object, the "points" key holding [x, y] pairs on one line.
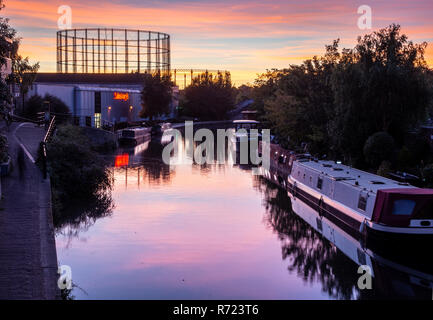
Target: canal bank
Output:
{"points": [[28, 259]]}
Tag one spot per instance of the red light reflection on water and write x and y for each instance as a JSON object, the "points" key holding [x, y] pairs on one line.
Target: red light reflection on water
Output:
{"points": [[121, 160]]}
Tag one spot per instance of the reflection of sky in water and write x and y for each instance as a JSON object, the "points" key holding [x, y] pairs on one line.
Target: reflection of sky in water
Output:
{"points": [[197, 234]]}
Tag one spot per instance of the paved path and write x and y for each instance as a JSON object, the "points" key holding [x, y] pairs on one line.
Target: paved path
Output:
{"points": [[28, 260]]}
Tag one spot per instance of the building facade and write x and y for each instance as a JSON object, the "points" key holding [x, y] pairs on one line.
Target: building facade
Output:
{"points": [[97, 100]]}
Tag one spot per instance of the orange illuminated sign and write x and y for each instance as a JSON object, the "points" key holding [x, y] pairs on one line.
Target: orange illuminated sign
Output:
{"points": [[121, 160], [121, 96]]}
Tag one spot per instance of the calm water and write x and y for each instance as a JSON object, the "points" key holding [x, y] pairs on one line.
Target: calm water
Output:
{"points": [[215, 232]]}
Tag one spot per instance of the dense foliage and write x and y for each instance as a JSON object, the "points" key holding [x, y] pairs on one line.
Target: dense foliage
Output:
{"points": [[23, 72], [334, 103], [209, 97], [156, 95], [378, 147], [36, 104]]}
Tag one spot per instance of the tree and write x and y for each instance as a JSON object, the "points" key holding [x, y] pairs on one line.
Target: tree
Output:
{"points": [[209, 97], [36, 104], [296, 102], [335, 102], [156, 95], [79, 178], [380, 85], [243, 93], [8, 43], [23, 73], [379, 147]]}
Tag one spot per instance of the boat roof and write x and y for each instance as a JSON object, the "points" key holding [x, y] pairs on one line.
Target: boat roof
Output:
{"points": [[245, 121], [352, 176], [135, 128]]}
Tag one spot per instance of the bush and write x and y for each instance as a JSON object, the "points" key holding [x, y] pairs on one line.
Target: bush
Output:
{"points": [[208, 97], [3, 149], [77, 172], [36, 104], [405, 158], [427, 174], [384, 169], [378, 147]]}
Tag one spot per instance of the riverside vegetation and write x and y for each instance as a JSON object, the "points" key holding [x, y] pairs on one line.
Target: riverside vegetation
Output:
{"points": [[80, 179], [362, 105]]}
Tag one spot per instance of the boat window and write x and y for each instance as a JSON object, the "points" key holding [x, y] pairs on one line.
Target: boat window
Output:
{"points": [[319, 183], [326, 165], [337, 169], [362, 202], [403, 207]]}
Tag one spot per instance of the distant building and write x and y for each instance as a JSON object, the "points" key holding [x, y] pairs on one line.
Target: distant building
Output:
{"points": [[100, 73], [97, 99]]}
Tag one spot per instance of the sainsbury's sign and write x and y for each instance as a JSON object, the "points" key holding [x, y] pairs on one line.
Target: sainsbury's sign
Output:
{"points": [[121, 96]]}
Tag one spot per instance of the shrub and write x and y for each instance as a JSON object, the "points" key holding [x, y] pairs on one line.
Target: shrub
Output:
{"points": [[405, 158], [3, 149], [378, 147], [427, 174], [77, 172], [384, 168], [35, 104]]}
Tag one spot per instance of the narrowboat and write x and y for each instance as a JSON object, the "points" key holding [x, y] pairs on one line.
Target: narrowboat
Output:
{"points": [[387, 268], [133, 136], [370, 205], [243, 131]]}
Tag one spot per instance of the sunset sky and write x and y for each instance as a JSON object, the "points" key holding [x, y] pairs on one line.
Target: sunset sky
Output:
{"points": [[243, 36]]}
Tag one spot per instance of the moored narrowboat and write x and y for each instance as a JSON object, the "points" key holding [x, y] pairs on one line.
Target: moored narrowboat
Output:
{"points": [[134, 136], [369, 204]]}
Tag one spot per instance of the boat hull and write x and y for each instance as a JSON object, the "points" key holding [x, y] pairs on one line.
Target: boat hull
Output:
{"points": [[125, 141], [357, 226]]}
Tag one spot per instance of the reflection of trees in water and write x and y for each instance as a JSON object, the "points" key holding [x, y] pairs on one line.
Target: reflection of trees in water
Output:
{"points": [[312, 256], [155, 170]]}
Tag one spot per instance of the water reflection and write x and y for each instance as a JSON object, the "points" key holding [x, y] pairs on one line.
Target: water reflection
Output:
{"points": [[308, 254], [80, 215], [208, 232], [320, 251]]}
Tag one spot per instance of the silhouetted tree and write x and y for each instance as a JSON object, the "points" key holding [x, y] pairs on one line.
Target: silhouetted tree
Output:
{"points": [[23, 73], [36, 104], [156, 95], [209, 97], [80, 181], [335, 102], [379, 147]]}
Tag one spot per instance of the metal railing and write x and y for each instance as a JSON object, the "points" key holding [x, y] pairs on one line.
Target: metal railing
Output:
{"points": [[48, 135]]}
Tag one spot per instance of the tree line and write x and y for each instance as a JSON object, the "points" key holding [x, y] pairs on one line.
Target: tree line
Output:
{"points": [[23, 72], [357, 105]]}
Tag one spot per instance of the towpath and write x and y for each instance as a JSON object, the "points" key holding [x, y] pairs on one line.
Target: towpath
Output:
{"points": [[28, 260]]}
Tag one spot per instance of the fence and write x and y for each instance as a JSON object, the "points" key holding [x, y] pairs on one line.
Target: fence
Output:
{"points": [[48, 135]]}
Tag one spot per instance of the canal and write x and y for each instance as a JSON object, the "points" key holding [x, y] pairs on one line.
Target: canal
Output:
{"points": [[212, 232]]}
